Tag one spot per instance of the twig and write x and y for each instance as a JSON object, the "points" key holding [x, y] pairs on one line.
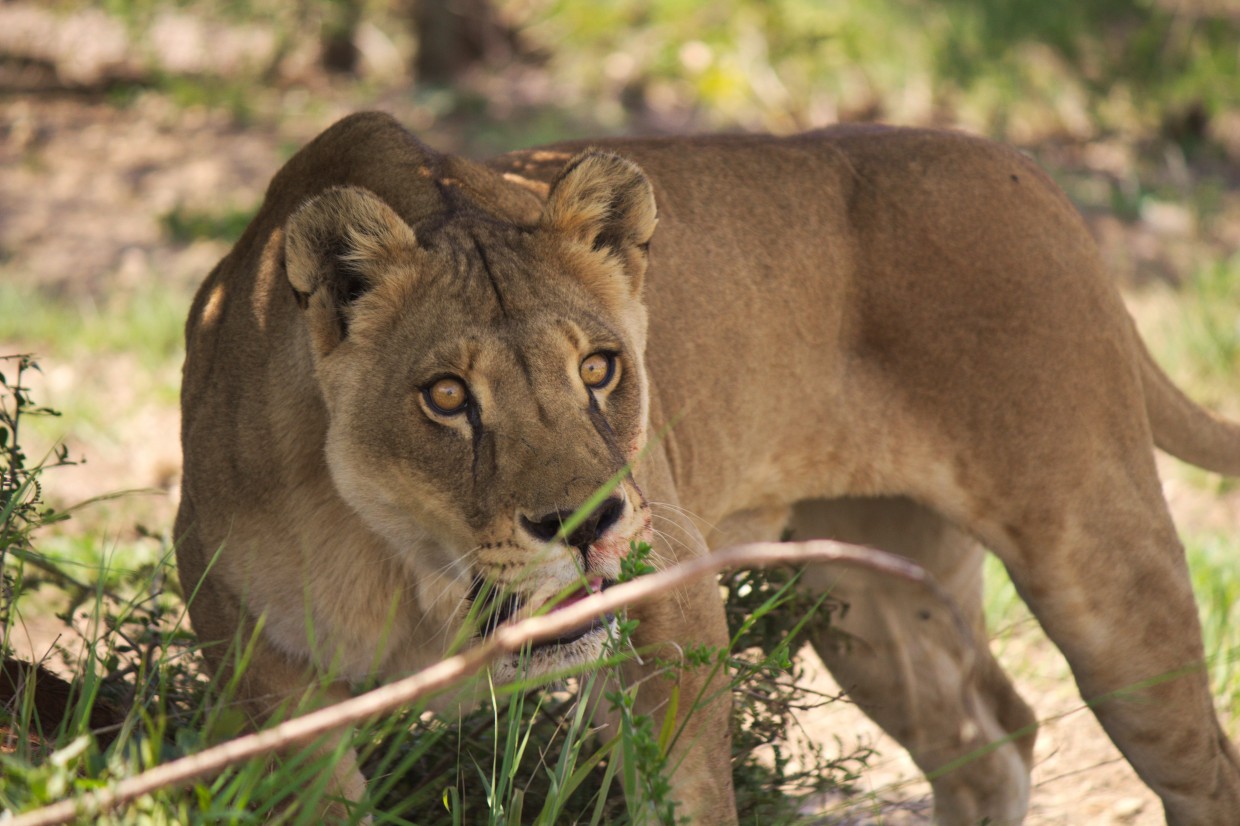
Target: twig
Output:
{"points": [[505, 640]]}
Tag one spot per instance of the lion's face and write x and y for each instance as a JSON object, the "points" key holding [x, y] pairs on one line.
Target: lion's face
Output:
{"points": [[483, 382]]}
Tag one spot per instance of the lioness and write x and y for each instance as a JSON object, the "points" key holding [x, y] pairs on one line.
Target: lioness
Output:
{"points": [[411, 367]]}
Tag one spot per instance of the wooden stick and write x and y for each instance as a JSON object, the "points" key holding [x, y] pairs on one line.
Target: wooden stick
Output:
{"points": [[507, 639]]}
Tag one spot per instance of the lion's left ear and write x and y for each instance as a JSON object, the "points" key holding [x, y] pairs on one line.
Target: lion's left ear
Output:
{"points": [[607, 203]]}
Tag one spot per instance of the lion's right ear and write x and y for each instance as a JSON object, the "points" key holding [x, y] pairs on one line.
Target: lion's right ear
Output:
{"points": [[606, 203], [338, 246]]}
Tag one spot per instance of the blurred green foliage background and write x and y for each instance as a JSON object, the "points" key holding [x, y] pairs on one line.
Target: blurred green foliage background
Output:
{"points": [[1016, 69]]}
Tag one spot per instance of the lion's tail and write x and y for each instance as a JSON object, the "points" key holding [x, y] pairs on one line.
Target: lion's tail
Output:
{"points": [[1185, 429]]}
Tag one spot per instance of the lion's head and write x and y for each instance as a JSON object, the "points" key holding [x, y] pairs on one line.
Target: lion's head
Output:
{"points": [[483, 380]]}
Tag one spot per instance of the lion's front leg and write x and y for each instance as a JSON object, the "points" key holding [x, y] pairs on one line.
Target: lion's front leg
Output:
{"points": [[699, 757]]}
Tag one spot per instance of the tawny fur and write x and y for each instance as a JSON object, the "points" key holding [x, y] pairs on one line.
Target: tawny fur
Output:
{"points": [[903, 338]]}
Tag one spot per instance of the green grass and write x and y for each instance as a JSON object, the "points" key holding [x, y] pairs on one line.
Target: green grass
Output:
{"points": [[124, 353], [184, 225], [523, 758], [1200, 340], [147, 322], [1003, 607], [1214, 563]]}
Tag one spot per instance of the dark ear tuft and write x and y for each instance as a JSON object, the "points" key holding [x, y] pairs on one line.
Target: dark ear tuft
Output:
{"points": [[335, 247], [604, 201]]}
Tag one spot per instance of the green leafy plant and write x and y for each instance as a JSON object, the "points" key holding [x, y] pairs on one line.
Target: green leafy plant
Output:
{"points": [[22, 510]]}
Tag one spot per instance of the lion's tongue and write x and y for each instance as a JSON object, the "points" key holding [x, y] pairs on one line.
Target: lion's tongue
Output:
{"points": [[593, 586]]}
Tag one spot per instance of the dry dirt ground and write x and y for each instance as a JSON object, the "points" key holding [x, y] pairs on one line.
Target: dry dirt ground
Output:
{"points": [[82, 187]]}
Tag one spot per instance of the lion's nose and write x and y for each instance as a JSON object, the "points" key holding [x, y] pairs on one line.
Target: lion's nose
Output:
{"points": [[583, 536]]}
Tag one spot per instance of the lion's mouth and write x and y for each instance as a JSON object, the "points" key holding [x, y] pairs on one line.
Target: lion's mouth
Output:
{"points": [[496, 608]]}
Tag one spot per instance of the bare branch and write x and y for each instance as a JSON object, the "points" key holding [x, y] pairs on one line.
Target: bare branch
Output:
{"points": [[506, 640]]}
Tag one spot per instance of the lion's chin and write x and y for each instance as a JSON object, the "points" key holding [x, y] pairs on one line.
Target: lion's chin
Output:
{"points": [[562, 657]]}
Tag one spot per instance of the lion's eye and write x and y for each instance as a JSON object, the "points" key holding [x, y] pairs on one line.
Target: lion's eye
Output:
{"points": [[597, 370], [447, 396]]}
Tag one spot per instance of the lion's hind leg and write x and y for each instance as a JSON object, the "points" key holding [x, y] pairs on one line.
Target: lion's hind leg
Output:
{"points": [[1105, 575], [909, 663]]}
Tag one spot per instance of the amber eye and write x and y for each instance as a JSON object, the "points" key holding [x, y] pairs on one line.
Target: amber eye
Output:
{"points": [[597, 369], [447, 396]]}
